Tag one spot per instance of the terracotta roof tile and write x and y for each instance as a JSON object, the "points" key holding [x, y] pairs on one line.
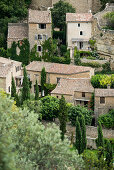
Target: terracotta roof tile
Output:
{"points": [[36, 16], [4, 70], [17, 31], [8, 61], [69, 85], [75, 17], [57, 68], [104, 92]]}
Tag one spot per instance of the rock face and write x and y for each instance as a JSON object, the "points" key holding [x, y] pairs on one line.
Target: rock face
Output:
{"points": [[81, 6]]}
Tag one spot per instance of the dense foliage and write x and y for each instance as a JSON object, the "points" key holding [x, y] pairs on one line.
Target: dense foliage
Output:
{"points": [[100, 140], [107, 120], [32, 145], [77, 60], [75, 111], [78, 141], [110, 20], [43, 81], [50, 108], [101, 81], [36, 91], [11, 11]]}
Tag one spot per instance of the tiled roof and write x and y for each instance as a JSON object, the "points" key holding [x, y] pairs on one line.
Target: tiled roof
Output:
{"points": [[8, 61], [36, 16], [57, 68], [104, 92], [4, 70], [69, 86], [81, 17], [17, 31]]}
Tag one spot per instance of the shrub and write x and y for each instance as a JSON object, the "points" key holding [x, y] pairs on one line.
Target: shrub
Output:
{"points": [[92, 64], [50, 107], [75, 111], [77, 60], [110, 20], [107, 120]]}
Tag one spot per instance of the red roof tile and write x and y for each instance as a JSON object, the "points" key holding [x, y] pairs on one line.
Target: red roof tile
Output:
{"points": [[78, 17]]}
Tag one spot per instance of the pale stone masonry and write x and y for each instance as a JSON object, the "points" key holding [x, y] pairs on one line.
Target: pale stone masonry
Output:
{"points": [[37, 29], [9, 68]]}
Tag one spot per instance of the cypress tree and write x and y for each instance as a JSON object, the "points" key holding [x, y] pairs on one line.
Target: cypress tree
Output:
{"points": [[36, 91], [78, 142], [100, 141], [84, 140], [63, 116], [13, 88], [13, 51], [43, 80], [25, 89], [109, 155]]}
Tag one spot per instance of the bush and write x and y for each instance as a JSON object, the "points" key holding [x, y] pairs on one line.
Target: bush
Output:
{"points": [[107, 120], [75, 111], [92, 64], [110, 20], [50, 108]]}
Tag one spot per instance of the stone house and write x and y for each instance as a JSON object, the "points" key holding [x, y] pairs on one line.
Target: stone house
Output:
{"points": [[9, 68], [37, 29], [104, 101], [79, 31], [56, 71], [77, 91]]}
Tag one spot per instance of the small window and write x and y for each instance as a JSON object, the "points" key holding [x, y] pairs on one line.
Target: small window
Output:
{"points": [[102, 100], [39, 37], [83, 94], [57, 96], [9, 89], [42, 26], [78, 24], [39, 48], [58, 80], [81, 33]]}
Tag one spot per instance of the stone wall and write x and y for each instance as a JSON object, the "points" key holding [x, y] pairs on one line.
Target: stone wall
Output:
{"points": [[81, 6]]}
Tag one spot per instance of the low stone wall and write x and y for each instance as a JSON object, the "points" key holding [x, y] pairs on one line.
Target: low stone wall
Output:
{"points": [[91, 143], [84, 60]]}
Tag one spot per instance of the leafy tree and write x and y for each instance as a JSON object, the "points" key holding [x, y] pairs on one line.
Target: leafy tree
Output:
{"points": [[59, 14], [36, 91], [34, 145], [84, 140], [92, 101], [50, 107], [25, 89], [109, 155], [12, 53], [13, 88], [24, 55], [34, 55], [100, 141], [78, 142], [63, 116], [110, 20], [77, 60], [43, 81], [49, 88]]}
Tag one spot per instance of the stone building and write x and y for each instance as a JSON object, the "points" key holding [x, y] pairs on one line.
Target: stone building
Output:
{"points": [[79, 31], [36, 29], [81, 6], [56, 71], [104, 101], [9, 68], [77, 91]]}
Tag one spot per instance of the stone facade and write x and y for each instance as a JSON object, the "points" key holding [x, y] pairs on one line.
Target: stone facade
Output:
{"points": [[81, 6], [9, 68]]}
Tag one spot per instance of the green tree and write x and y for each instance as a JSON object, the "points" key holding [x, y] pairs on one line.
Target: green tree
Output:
{"points": [[84, 140], [43, 81], [24, 55], [109, 155], [13, 88], [12, 53], [34, 55], [92, 101], [63, 116], [77, 60], [36, 91], [59, 14], [78, 142], [100, 141], [25, 89]]}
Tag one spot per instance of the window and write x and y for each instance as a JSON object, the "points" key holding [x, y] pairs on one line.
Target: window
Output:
{"points": [[81, 33], [85, 103], [9, 88], [83, 94], [39, 37], [102, 100], [78, 24], [42, 26], [81, 45], [39, 48], [58, 80], [44, 37]]}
